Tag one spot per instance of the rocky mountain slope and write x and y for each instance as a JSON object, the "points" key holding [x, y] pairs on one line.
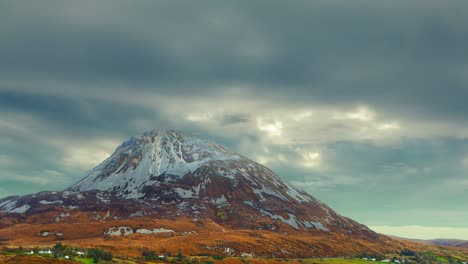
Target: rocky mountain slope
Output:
{"points": [[167, 175]]}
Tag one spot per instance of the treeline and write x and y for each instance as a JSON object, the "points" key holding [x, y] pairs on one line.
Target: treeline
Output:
{"points": [[63, 251], [98, 254], [180, 257]]}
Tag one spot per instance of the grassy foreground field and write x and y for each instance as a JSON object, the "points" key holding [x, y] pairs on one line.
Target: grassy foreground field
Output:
{"points": [[65, 253], [12, 258], [423, 257]]}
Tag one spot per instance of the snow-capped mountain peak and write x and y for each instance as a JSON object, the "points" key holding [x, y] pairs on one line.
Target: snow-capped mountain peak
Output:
{"points": [[172, 174], [156, 152]]}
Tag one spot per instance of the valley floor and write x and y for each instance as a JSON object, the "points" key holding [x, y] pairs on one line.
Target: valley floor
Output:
{"points": [[206, 242], [195, 260], [18, 255]]}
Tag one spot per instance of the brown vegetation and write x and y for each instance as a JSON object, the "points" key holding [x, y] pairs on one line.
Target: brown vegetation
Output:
{"points": [[201, 236]]}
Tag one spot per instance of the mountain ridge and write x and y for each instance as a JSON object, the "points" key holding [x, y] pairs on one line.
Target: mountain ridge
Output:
{"points": [[167, 175], [196, 174]]}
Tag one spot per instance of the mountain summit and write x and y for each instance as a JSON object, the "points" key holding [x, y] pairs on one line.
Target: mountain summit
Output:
{"points": [[202, 178], [167, 175], [140, 160]]}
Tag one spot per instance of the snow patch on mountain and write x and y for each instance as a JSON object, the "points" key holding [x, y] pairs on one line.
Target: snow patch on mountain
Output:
{"points": [[7, 205], [315, 224], [154, 231], [182, 193], [220, 200], [20, 210], [298, 195], [268, 191], [51, 202]]}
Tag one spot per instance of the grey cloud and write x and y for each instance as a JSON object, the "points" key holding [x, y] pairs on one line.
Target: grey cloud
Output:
{"points": [[78, 116], [234, 119], [389, 62], [336, 51]]}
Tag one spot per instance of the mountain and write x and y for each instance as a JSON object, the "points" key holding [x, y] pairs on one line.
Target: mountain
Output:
{"points": [[166, 172], [450, 242], [167, 183], [444, 242]]}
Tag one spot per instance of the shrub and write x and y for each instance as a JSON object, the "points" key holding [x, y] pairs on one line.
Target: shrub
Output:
{"points": [[408, 252], [58, 250], [149, 254], [221, 214], [180, 256], [98, 254]]}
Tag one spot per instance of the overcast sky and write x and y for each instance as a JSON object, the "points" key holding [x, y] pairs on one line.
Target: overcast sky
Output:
{"points": [[361, 103]]}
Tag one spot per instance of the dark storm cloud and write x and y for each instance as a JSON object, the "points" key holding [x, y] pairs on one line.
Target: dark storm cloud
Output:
{"points": [[86, 55], [233, 119], [380, 53], [77, 116], [404, 59]]}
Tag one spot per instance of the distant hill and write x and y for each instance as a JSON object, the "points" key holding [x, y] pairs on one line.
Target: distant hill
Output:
{"points": [[449, 242], [439, 242]]}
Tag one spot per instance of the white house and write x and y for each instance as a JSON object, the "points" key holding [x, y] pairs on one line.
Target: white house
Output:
{"points": [[45, 251], [385, 260], [80, 253], [247, 255], [228, 250]]}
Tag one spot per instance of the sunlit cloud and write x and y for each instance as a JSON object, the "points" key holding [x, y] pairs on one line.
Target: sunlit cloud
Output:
{"points": [[361, 114], [330, 181], [311, 159], [88, 155], [301, 115], [264, 160], [271, 128], [200, 117], [388, 126]]}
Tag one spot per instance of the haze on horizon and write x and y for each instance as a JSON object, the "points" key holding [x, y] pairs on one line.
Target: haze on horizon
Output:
{"points": [[360, 103]]}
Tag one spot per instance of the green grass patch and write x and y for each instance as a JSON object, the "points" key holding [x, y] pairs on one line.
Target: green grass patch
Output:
{"points": [[441, 259], [338, 261], [85, 260]]}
